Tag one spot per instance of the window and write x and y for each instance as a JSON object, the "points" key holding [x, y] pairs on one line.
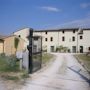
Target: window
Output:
{"points": [[74, 49], [73, 38], [52, 48], [45, 39], [63, 31], [51, 39], [81, 37], [19, 36], [46, 32], [73, 31], [63, 38]]}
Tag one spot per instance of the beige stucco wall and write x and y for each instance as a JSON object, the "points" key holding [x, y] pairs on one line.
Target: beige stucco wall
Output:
{"points": [[9, 48], [1, 46], [23, 34]]}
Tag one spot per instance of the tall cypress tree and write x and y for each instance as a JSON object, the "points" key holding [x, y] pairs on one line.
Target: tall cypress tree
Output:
{"points": [[16, 42]]}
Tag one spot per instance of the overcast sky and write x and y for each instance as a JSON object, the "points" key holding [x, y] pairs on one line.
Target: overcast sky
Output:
{"points": [[43, 14]]}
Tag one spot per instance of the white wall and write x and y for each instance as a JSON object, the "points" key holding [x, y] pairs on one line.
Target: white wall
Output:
{"points": [[57, 38], [85, 42], [68, 39]]}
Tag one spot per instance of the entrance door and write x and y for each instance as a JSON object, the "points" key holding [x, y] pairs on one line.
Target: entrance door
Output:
{"points": [[74, 49], [52, 48], [81, 49]]}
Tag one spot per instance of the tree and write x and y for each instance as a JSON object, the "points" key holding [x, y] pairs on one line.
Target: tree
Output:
{"points": [[65, 49], [16, 42], [61, 49]]}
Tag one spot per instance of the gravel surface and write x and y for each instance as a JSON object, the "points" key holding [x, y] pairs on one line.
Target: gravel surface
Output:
{"points": [[65, 73]]}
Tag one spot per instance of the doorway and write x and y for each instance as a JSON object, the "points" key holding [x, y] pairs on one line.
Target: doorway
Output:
{"points": [[52, 48], [73, 49], [81, 49]]}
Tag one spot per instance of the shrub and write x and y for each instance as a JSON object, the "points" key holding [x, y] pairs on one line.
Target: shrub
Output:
{"points": [[2, 54], [9, 63], [61, 49], [25, 75]]}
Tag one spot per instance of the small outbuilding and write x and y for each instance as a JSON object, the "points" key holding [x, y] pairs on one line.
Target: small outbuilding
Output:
{"points": [[9, 45]]}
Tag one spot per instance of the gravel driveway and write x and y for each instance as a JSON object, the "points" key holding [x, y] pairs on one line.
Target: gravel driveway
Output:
{"points": [[65, 73], [2, 85]]}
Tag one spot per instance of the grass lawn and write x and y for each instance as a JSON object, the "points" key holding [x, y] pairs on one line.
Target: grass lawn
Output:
{"points": [[46, 57], [7, 65], [84, 59], [10, 73], [9, 69]]}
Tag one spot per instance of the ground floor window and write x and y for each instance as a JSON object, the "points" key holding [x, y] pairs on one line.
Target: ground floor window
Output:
{"points": [[74, 49], [52, 48], [81, 49]]}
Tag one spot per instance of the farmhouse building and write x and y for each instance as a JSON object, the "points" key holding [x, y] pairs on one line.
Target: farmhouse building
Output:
{"points": [[74, 39]]}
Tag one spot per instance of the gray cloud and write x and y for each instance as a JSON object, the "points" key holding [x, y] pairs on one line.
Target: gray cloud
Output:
{"points": [[82, 23]]}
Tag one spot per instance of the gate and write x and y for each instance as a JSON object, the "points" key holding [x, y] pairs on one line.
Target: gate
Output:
{"points": [[35, 52]]}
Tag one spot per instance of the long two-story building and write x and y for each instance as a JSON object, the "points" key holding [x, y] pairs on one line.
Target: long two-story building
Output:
{"points": [[75, 39]]}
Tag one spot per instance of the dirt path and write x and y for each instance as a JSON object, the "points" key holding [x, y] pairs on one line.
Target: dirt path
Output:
{"points": [[65, 73], [2, 85]]}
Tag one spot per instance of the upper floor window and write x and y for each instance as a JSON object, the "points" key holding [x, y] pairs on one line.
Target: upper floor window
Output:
{"points": [[73, 38], [63, 31], [81, 37], [73, 31], [46, 39], [51, 39], [63, 38], [46, 32]]}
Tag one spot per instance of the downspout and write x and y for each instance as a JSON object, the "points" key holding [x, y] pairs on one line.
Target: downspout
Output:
{"points": [[58, 38], [77, 41]]}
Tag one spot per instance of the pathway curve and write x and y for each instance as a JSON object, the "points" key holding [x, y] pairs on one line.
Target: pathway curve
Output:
{"points": [[2, 85], [65, 73]]}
